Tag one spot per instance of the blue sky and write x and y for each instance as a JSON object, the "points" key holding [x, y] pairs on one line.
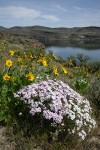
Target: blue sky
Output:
{"points": [[51, 13]]}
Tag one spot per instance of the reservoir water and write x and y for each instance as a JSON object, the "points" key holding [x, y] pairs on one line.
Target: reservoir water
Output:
{"points": [[65, 52]]}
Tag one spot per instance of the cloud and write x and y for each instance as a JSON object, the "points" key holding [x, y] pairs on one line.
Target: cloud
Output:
{"points": [[19, 12], [51, 18], [60, 8], [78, 8], [14, 12], [57, 15]]}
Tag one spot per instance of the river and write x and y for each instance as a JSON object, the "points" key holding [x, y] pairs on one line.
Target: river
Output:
{"points": [[65, 52]]}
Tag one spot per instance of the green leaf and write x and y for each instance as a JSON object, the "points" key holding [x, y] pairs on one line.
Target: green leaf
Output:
{"points": [[2, 116]]}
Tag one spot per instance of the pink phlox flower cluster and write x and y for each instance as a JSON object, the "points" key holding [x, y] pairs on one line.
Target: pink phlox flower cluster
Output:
{"points": [[55, 100]]}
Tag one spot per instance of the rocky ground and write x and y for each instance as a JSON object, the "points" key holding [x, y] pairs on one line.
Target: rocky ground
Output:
{"points": [[4, 143], [91, 143]]}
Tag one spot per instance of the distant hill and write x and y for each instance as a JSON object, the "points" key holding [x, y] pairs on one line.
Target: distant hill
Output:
{"points": [[77, 35], [22, 42]]}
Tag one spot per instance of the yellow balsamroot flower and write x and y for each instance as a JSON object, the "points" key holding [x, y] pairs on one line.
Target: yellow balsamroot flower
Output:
{"points": [[71, 75], [70, 63], [55, 71], [98, 75], [34, 56], [25, 54], [12, 79], [31, 56], [30, 76], [54, 57], [6, 77], [64, 70], [19, 59], [11, 52], [9, 63], [43, 61], [77, 67]]}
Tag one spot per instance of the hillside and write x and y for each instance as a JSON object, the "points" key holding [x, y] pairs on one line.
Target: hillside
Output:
{"points": [[22, 42], [78, 36]]}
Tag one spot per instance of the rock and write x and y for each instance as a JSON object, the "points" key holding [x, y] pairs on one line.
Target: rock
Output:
{"points": [[92, 144], [5, 144]]}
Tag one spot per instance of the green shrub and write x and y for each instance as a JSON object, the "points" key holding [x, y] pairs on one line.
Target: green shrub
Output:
{"points": [[93, 67], [82, 59], [81, 85], [93, 93]]}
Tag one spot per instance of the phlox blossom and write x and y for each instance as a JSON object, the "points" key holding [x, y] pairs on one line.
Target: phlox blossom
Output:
{"points": [[60, 105]]}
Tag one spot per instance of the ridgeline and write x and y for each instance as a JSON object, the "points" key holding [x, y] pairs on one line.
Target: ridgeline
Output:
{"points": [[77, 36]]}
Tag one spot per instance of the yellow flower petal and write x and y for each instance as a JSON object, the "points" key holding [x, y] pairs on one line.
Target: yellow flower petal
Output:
{"points": [[30, 76], [6, 77], [9, 63]]}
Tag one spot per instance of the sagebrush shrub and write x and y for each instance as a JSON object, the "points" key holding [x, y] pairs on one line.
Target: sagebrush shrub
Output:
{"points": [[93, 93]]}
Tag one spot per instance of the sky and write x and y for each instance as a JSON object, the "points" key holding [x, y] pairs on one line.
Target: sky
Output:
{"points": [[50, 13]]}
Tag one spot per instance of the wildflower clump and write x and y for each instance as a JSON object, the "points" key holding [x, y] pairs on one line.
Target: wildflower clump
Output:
{"points": [[55, 57], [55, 71], [6, 77], [9, 63], [65, 110], [64, 70], [30, 76], [11, 52], [19, 59], [43, 61], [70, 63]]}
